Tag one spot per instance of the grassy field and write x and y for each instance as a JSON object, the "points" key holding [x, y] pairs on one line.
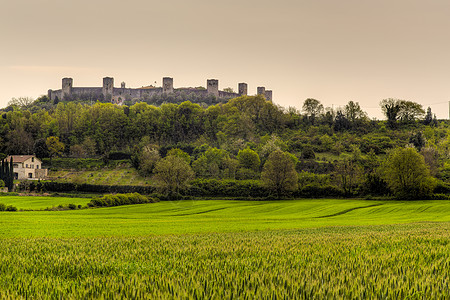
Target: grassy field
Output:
{"points": [[120, 175], [363, 262], [353, 249], [196, 216], [40, 202]]}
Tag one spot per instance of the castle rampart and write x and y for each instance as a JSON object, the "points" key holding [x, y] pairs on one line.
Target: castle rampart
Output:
{"points": [[117, 95], [212, 86]]}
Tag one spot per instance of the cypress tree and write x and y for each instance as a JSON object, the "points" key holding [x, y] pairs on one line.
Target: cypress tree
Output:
{"points": [[2, 175], [7, 173], [11, 175]]}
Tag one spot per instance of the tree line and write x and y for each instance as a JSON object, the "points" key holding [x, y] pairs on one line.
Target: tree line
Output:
{"points": [[235, 140]]}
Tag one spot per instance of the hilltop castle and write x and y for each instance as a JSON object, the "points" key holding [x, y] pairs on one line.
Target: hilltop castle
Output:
{"points": [[117, 95]]}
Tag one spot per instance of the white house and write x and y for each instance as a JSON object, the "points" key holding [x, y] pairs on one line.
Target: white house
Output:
{"points": [[27, 167]]}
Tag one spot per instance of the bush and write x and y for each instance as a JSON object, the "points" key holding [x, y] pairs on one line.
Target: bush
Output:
{"points": [[120, 199], [72, 206], [440, 197], [308, 152], [316, 191], [54, 186], [227, 188], [11, 208], [2, 207], [73, 163], [245, 174], [118, 155]]}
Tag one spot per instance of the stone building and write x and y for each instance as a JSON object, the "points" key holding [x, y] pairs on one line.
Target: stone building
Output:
{"points": [[27, 167]]}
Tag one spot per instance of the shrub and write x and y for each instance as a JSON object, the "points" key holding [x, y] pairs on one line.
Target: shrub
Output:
{"points": [[308, 152], [2, 207], [120, 199], [227, 188], [11, 208], [317, 191], [72, 206]]}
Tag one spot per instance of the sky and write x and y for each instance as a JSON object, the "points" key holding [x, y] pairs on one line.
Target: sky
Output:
{"points": [[334, 51]]}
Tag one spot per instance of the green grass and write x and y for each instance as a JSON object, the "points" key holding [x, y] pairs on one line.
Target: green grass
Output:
{"points": [[121, 175], [223, 249], [196, 216], [40, 202], [363, 262]]}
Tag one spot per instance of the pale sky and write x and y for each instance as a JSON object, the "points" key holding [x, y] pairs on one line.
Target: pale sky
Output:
{"points": [[333, 51]]}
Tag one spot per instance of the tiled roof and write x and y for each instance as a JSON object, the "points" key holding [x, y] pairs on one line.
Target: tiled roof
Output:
{"points": [[19, 158]]}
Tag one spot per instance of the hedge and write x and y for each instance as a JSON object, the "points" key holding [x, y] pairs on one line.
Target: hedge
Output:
{"points": [[120, 199], [53, 186], [227, 188]]}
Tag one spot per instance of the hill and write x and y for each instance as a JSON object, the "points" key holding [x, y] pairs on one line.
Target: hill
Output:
{"points": [[230, 141]]}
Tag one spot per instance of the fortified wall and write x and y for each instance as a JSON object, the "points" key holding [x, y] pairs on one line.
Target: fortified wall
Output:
{"points": [[117, 95]]}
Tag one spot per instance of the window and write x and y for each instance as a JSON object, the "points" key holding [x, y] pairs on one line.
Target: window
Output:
{"points": [[32, 166], [30, 175], [26, 166], [37, 166], [16, 175], [15, 165], [32, 159]]}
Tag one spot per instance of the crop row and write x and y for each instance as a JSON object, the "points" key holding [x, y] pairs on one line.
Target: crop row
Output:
{"points": [[396, 261]]}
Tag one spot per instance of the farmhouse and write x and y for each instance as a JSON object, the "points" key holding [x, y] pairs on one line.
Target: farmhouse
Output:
{"points": [[27, 167]]}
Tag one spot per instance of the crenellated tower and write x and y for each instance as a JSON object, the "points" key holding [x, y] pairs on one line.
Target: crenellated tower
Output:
{"points": [[212, 86], [67, 85]]}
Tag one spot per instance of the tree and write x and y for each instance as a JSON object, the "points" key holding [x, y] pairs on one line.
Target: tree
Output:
{"points": [[428, 117], [211, 163], [145, 157], [417, 140], [407, 175], [55, 147], [172, 175], [341, 123], [279, 173], [410, 111], [396, 109], [7, 173], [348, 174], [21, 102], [180, 153], [431, 157], [354, 114], [391, 108], [312, 108], [249, 159], [19, 142], [40, 148], [228, 90]]}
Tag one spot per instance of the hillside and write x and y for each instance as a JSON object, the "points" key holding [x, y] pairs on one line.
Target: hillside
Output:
{"points": [[339, 150]]}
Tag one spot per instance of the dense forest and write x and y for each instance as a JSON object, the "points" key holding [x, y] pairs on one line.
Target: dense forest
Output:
{"points": [[247, 138]]}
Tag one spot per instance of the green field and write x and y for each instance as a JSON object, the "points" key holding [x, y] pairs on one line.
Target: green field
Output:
{"points": [[228, 249], [196, 216], [41, 202]]}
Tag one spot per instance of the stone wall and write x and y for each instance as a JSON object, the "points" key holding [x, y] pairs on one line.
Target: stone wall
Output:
{"points": [[117, 95]]}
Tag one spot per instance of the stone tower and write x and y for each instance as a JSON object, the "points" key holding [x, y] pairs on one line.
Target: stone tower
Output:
{"points": [[260, 90], [212, 86], [167, 85], [122, 85], [67, 84], [268, 95], [243, 89], [108, 87]]}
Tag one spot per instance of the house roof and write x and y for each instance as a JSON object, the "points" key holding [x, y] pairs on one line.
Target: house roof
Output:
{"points": [[19, 158]]}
